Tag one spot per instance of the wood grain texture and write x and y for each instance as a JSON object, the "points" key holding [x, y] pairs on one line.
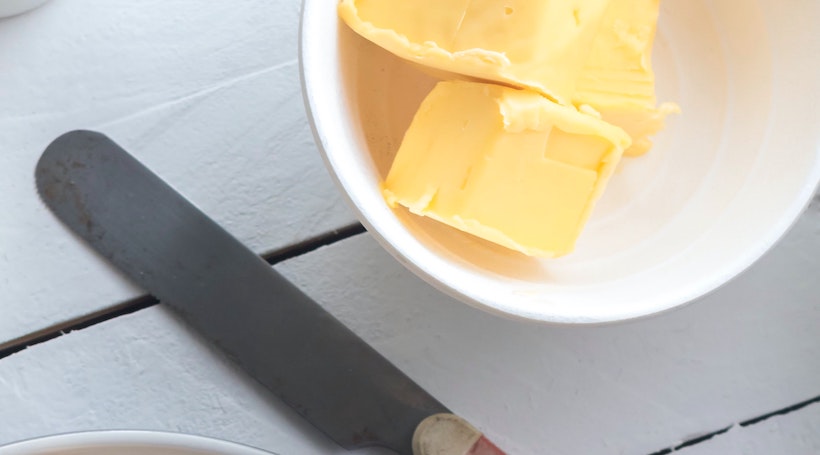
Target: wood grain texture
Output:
{"points": [[792, 434], [145, 371], [747, 349], [206, 94]]}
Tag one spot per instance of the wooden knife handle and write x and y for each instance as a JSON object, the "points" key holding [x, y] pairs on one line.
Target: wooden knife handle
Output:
{"points": [[448, 434], [485, 447]]}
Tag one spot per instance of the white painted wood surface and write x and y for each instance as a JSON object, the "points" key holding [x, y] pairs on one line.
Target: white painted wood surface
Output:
{"points": [[792, 434], [748, 349], [207, 95], [144, 371]]}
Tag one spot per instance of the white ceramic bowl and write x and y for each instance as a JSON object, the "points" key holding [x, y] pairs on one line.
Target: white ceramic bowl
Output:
{"points": [[725, 180], [127, 443]]}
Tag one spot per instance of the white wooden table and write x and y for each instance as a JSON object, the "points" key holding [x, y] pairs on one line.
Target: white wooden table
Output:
{"points": [[207, 95]]}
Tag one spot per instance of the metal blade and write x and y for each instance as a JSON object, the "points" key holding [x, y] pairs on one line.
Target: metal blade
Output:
{"points": [[266, 325]]}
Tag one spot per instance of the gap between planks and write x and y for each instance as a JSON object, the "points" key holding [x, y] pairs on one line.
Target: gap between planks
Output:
{"points": [[284, 254], [146, 301], [743, 424]]}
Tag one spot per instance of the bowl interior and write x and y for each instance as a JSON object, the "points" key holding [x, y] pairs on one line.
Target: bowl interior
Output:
{"points": [[724, 181]]}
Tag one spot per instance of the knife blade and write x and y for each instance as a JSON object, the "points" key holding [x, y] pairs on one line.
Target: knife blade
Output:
{"points": [[261, 321]]}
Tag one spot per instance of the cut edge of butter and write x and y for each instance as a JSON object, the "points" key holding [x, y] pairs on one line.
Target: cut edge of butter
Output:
{"points": [[469, 226], [522, 110], [395, 42], [641, 124], [618, 80], [487, 65]]}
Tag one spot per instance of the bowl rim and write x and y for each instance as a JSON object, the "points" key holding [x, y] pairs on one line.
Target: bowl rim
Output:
{"points": [[410, 259]]}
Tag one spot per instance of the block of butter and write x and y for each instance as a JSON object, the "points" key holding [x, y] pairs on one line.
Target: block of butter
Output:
{"points": [[540, 44], [617, 79], [504, 164]]}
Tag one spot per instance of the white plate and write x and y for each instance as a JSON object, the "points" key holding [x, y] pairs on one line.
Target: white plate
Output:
{"points": [[127, 443]]}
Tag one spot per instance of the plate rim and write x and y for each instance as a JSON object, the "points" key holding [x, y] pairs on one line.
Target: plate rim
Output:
{"points": [[112, 439]]}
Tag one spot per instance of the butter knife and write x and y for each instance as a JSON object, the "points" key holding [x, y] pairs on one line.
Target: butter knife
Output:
{"points": [[262, 322]]}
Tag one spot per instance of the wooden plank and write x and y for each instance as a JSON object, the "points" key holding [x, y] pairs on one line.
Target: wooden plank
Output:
{"points": [[144, 371], [633, 388], [206, 94], [795, 434], [745, 350], [748, 349]]}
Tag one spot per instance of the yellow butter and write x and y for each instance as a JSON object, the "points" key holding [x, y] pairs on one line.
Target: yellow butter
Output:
{"points": [[540, 44], [506, 165], [639, 123], [617, 80]]}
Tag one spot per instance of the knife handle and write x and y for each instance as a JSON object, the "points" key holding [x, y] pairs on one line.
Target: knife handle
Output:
{"points": [[485, 447], [448, 434]]}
